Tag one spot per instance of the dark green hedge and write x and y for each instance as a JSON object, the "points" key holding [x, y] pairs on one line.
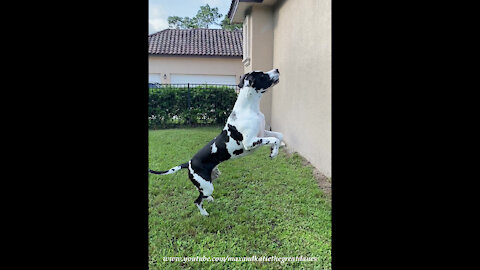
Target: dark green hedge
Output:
{"points": [[209, 105]]}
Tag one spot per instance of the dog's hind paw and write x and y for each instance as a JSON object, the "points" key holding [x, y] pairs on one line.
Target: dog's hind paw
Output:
{"points": [[274, 153], [202, 211], [209, 199]]}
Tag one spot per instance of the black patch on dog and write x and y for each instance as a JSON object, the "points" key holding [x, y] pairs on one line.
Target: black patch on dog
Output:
{"points": [[257, 142], [257, 79], [199, 199], [157, 172], [204, 160], [238, 152], [237, 136], [223, 136]]}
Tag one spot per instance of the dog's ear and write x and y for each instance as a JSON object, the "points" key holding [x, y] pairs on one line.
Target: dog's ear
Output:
{"points": [[240, 84], [242, 80]]}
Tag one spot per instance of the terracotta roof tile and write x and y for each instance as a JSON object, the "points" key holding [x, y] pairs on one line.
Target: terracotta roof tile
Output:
{"points": [[208, 42]]}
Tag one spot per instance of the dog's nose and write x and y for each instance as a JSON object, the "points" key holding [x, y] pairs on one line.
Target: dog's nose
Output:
{"points": [[277, 71]]}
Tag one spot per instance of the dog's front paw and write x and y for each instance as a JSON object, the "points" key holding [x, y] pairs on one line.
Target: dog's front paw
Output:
{"points": [[209, 199]]}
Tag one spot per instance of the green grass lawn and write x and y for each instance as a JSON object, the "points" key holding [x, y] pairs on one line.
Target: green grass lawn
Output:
{"points": [[262, 207]]}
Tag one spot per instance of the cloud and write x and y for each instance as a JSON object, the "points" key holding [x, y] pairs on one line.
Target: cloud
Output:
{"points": [[155, 25], [157, 18]]}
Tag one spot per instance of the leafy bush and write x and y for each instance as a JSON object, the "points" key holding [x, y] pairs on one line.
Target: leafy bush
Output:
{"points": [[168, 106]]}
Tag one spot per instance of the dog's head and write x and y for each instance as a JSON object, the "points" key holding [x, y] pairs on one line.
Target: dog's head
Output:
{"points": [[259, 80]]}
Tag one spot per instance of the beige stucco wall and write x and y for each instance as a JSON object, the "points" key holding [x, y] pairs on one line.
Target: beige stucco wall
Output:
{"points": [[260, 50], [195, 65], [300, 105]]}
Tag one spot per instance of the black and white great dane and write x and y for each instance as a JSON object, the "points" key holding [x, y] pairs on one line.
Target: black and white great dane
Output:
{"points": [[243, 133]]}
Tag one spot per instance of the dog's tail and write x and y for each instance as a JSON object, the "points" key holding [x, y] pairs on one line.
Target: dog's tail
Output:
{"points": [[172, 170]]}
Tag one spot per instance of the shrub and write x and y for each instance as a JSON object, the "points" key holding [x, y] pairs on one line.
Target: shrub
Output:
{"points": [[168, 106]]}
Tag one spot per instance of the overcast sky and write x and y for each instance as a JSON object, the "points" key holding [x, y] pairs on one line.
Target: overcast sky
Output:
{"points": [[159, 10]]}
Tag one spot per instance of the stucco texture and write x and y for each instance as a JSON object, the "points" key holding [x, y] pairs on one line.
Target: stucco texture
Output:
{"points": [[201, 65], [301, 102]]}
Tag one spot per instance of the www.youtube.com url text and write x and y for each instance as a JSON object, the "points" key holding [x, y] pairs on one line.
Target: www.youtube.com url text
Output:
{"points": [[241, 259]]}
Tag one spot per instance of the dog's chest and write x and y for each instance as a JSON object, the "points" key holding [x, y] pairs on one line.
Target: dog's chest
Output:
{"points": [[261, 125], [251, 120]]}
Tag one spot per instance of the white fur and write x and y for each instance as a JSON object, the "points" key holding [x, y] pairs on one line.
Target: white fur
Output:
{"points": [[214, 148], [173, 170]]}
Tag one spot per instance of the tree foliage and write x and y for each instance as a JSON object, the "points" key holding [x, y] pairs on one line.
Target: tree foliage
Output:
{"points": [[182, 22], [205, 17], [229, 26]]}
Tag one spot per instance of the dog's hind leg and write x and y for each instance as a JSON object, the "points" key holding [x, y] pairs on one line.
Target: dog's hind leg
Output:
{"points": [[205, 188], [198, 202]]}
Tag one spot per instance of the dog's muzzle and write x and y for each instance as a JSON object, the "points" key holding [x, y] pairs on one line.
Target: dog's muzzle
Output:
{"points": [[274, 75]]}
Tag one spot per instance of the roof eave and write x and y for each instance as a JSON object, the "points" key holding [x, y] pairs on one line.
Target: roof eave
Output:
{"points": [[202, 55], [236, 14]]}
